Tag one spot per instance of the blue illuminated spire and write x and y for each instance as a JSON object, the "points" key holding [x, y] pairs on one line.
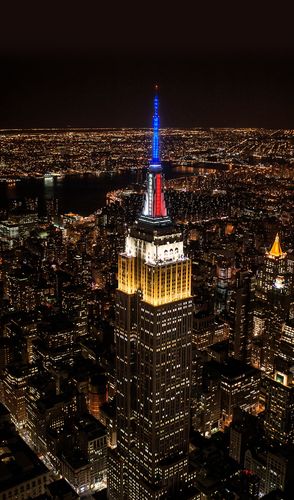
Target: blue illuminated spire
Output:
{"points": [[155, 143]]}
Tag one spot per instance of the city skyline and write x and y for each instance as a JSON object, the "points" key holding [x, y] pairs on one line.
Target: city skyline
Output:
{"points": [[146, 252], [140, 357]]}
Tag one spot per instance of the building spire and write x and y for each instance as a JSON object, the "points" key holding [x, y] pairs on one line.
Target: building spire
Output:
{"points": [[276, 250], [155, 143], [154, 206]]}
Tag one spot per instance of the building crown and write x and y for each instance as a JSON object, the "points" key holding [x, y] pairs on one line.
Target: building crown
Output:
{"points": [[276, 249]]}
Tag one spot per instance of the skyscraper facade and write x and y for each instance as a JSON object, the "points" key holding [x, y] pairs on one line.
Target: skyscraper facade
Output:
{"points": [[153, 349]]}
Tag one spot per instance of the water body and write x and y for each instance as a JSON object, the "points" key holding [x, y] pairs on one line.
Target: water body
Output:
{"points": [[77, 193]]}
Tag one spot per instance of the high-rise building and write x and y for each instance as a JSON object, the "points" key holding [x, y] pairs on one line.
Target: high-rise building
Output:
{"points": [[241, 316], [274, 269], [74, 303], [20, 289], [272, 307], [56, 343], [153, 349], [245, 432], [15, 383], [279, 414], [224, 279]]}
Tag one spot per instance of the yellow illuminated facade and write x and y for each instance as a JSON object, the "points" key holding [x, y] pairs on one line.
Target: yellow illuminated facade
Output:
{"points": [[159, 284], [127, 276]]}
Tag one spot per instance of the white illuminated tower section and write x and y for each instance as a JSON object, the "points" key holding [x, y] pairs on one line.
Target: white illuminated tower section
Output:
{"points": [[153, 349]]}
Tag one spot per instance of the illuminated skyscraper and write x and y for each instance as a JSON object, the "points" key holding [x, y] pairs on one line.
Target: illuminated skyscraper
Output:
{"points": [[272, 305], [275, 264], [153, 348]]}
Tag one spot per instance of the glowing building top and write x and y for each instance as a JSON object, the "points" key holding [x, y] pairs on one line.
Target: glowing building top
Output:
{"points": [[276, 249], [154, 210]]}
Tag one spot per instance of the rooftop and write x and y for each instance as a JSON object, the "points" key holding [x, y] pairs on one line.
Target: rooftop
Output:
{"points": [[18, 463], [232, 368]]}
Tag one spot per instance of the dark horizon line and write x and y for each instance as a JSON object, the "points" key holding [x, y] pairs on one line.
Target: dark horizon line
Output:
{"points": [[200, 127]]}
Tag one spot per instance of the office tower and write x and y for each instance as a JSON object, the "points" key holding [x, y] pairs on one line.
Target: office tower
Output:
{"points": [[279, 412], [226, 386], [241, 316], [55, 346], [47, 412], [208, 329], [275, 266], [83, 455], [15, 382], [245, 433], [239, 386], [224, 281], [22, 332], [277, 311], [272, 307], [74, 304], [206, 402], [153, 349], [9, 234], [6, 352], [20, 289], [51, 209]]}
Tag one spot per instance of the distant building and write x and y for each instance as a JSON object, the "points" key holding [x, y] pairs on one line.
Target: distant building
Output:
{"points": [[275, 266], [241, 316], [55, 346], [15, 383]]}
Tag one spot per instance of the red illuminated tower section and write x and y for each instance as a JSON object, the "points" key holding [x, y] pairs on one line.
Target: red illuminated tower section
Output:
{"points": [[159, 203]]}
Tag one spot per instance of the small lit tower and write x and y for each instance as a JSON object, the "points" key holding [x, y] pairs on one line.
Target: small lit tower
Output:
{"points": [[153, 348], [275, 267], [272, 307]]}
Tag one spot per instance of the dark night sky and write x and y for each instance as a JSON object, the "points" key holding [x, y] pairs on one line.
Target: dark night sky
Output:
{"points": [[85, 67]]}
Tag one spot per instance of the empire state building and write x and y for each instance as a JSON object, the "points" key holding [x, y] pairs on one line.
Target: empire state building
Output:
{"points": [[153, 351]]}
